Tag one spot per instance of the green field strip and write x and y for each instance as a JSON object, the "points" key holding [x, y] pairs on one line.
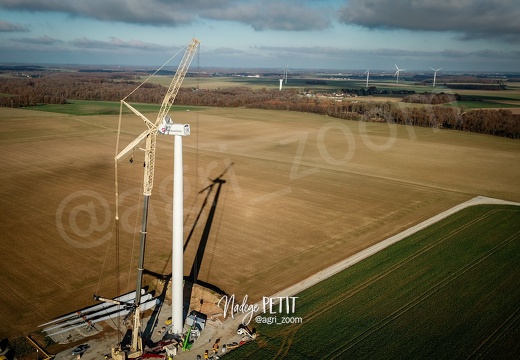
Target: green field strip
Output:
{"points": [[391, 267], [421, 297], [481, 104], [500, 96], [423, 304], [422, 300]]}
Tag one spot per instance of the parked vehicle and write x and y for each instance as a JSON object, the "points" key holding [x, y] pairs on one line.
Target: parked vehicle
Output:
{"points": [[80, 349]]}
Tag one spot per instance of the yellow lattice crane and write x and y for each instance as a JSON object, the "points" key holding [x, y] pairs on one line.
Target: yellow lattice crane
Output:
{"points": [[164, 125]]}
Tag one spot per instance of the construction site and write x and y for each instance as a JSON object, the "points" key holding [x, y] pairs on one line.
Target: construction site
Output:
{"points": [[266, 197], [176, 314], [95, 329]]}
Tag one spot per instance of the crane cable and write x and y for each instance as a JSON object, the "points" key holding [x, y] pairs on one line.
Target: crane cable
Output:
{"points": [[134, 237], [116, 224], [116, 188], [153, 74]]}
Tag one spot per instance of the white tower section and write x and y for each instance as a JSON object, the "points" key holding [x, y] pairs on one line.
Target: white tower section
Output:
{"points": [[178, 130], [281, 84]]}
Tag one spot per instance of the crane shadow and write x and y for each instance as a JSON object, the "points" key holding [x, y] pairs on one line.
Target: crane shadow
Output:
{"points": [[192, 278], [154, 318]]}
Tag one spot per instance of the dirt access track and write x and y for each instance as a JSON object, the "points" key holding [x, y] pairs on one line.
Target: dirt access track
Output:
{"points": [[271, 198]]}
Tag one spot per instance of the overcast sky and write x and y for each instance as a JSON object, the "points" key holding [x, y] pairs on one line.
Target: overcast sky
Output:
{"points": [[456, 35]]}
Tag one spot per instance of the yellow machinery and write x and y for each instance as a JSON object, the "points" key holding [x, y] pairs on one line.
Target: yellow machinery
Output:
{"points": [[46, 356]]}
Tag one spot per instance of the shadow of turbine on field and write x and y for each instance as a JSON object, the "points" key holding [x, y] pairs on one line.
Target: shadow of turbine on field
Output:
{"points": [[192, 278]]}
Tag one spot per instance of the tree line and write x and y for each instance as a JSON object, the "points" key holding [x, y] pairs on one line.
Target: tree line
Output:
{"points": [[59, 88], [431, 98]]}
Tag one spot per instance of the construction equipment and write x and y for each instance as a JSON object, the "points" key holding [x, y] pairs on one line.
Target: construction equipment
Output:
{"points": [[114, 301], [39, 349], [80, 350], [246, 333], [230, 346], [135, 349], [216, 346], [193, 332]]}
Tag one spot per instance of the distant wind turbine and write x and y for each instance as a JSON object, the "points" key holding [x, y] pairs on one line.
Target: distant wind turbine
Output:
{"points": [[285, 71], [397, 73], [434, 74], [368, 74]]}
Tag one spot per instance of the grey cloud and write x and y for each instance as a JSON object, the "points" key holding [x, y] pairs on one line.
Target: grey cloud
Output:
{"points": [[337, 52], [154, 12], [388, 53], [290, 15], [307, 51], [227, 51], [42, 40], [47, 43], [272, 15], [6, 26], [115, 43], [484, 54], [472, 19]]}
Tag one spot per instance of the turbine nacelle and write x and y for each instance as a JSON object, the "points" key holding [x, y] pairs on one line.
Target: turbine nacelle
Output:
{"points": [[168, 127]]}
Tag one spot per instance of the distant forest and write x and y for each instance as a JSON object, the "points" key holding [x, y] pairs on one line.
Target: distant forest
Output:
{"points": [[59, 88]]}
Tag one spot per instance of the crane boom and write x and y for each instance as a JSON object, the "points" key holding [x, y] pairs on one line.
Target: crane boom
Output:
{"points": [[168, 100], [136, 347], [151, 135], [177, 80]]}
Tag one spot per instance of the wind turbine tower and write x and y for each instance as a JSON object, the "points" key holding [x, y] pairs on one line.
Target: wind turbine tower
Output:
{"points": [[368, 74], [434, 74], [281, 84], [397, 73], [285, 71]]}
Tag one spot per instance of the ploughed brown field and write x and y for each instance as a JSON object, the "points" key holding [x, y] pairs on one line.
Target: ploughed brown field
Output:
{"points": [[270, 199]]}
